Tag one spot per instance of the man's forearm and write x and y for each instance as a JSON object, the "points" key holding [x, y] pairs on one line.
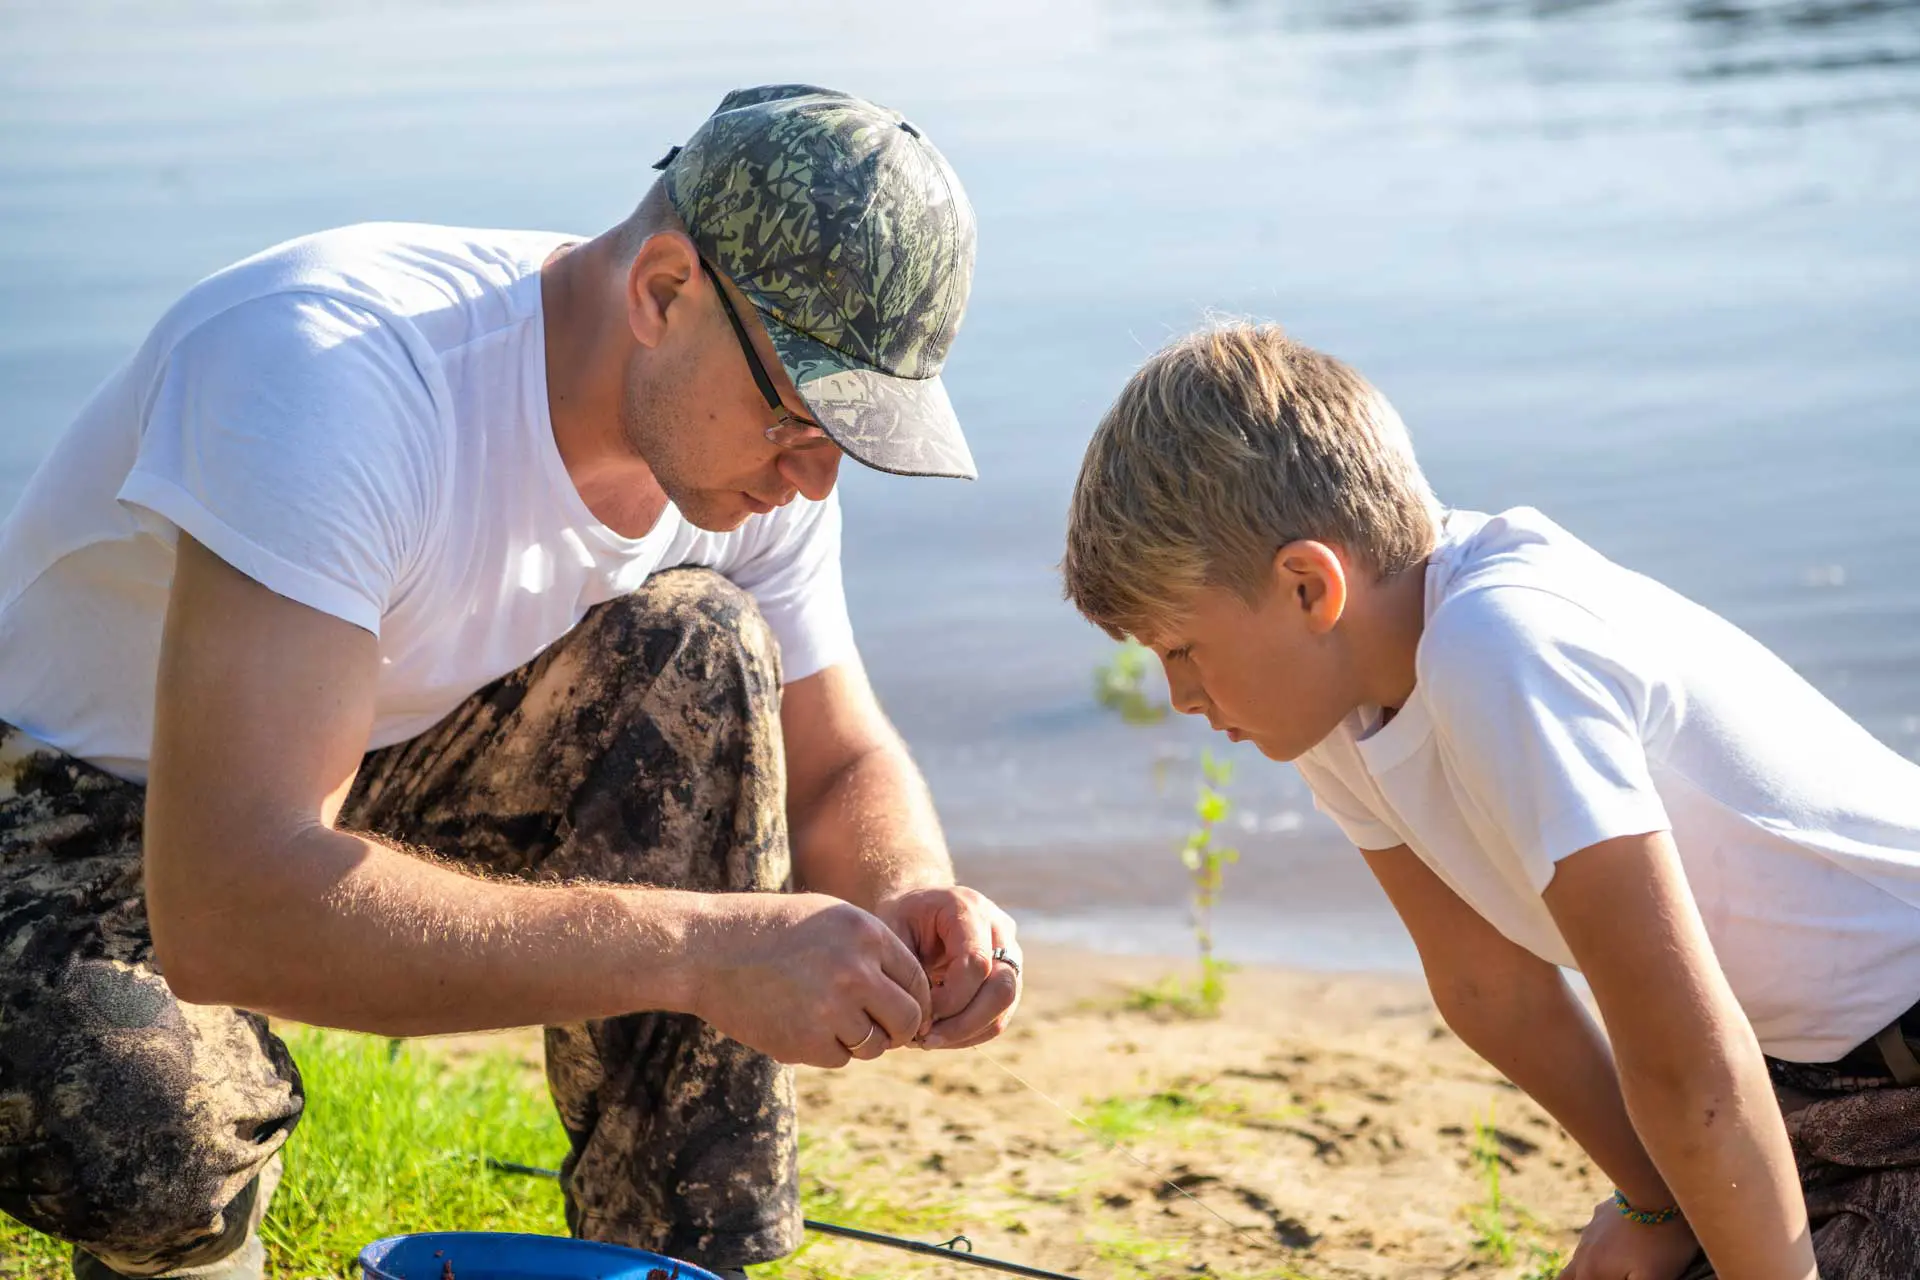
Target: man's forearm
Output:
{"points": [[346, 932], [870, 832]]}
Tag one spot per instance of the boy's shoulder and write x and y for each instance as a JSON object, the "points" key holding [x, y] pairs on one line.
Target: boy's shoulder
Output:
{"points": [[1520, 547], [1507, 590]]}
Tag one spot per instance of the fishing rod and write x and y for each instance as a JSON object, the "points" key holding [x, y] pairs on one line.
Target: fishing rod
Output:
{"points": [[958, 1249]]}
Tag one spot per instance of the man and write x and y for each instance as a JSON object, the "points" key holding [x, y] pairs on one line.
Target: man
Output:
{"points": [[340, 681]]}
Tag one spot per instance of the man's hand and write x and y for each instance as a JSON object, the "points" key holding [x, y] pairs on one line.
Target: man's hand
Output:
{"points": [[864, 830], [1612, 1248], [806, 978], [954, 932]]}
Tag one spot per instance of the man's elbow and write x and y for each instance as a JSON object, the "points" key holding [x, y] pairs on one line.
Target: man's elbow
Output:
{"points": [[198, 968], [200, 961], [194, 982]]}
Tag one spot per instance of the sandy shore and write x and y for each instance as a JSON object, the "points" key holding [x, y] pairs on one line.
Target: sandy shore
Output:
{"points": [[1331, 1122]]}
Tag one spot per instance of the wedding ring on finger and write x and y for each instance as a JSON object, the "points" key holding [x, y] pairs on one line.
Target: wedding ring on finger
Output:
{"points": [[855, 1049], [1003, 956]]}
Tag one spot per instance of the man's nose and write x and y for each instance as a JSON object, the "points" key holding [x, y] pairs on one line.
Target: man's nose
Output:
{"points": [[811, 471]]}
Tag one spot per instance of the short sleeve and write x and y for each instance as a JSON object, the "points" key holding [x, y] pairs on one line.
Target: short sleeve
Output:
{"points": [[1542, 712], [789, 561], [293, 437], [1334, 797]]}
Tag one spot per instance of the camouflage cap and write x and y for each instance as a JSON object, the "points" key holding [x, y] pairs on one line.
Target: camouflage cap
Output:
{"points": [[850, 235]]}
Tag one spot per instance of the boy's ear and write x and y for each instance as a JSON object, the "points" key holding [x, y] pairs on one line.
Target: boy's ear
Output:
{"points": [[1312, 580]]}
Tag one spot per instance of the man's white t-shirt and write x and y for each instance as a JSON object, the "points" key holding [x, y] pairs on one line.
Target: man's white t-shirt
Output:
{"points": [[358, 421], [1561, 700]]}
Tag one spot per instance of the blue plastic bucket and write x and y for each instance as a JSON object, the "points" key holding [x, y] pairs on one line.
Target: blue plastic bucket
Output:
{"points": [[489, 1255]]}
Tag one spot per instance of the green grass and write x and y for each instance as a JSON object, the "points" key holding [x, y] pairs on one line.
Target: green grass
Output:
{"points": [[1546, 1264], [1184, 1103], [1178, 996], [836, 1185], [1124, 1118], [394, 1139], [28, 1253], [1493, 1238], [1502, 1229]]}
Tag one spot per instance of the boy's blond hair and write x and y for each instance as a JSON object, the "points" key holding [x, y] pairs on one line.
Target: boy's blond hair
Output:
{"points": [[1223, 448]]}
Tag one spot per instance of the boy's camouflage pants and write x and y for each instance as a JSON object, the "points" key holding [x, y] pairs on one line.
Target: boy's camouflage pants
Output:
{"points": [[1856, 1146], [642, 747]]}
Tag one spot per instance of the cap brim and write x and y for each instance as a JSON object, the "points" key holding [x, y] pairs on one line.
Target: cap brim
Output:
{"points": [[905, 426]]}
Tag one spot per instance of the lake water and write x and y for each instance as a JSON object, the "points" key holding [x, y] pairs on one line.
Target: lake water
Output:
{"points": [[1652, 267]]}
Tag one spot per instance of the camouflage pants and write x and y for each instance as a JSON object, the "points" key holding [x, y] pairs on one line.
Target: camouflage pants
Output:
{"points": [[1856, 1146], [643, 747]]}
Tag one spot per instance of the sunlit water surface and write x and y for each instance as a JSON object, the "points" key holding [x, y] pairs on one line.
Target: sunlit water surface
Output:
{"points": [[1651, 267]]}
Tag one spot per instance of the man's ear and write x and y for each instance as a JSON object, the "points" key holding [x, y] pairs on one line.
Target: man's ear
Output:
{"points": [[1311, 579], [664, 273]]}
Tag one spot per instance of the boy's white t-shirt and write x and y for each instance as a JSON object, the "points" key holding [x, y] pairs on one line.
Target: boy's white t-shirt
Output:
{"points": [[1561, 700], [357, 420]]}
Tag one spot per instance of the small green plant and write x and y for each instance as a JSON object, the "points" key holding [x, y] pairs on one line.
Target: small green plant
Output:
{"points": [[1119, 684], [1174, 996], [1545, 1264], [1121, 1118], [1206, 861], [1493, 1239], [1502, 1229]]}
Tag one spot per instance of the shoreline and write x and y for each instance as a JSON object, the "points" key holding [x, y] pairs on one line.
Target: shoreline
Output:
{"points": [[1293, 903]]}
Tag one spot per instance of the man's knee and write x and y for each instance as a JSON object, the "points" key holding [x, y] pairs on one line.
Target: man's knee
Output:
{"points": [[212, 1242], [135, 1124], [663, 717], [689, 623]]}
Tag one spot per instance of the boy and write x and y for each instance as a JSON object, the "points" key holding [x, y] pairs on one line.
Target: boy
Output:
{"points": [[1548, 761]]}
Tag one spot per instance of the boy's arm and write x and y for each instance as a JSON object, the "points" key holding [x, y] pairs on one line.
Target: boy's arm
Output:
{"points": [[1516, 1011], [1689, 1067]]}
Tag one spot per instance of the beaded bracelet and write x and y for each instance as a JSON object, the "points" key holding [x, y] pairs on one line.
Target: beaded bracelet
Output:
{"points": [[1645, 1217]]}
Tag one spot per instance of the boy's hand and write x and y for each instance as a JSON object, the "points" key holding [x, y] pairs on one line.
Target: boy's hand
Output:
{"points": [[1612, 1248]]}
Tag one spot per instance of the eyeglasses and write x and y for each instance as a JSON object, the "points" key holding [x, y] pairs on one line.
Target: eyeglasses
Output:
{"points": [[789, 429]]}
